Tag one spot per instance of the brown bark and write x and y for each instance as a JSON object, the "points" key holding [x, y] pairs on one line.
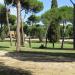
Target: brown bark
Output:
{"points": [[22, 34], [74, 27], [46, 41], [7, 20], [18, 26], [29, 42], [62, 36]]}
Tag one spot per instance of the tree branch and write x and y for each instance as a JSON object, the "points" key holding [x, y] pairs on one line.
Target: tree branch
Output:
{"points": [[72, 2]]}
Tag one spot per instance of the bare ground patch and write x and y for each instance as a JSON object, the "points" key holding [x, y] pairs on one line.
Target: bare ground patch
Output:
{"points": [[33, 63]]}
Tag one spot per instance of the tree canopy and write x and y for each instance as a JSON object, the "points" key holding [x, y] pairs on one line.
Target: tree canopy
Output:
{"points": [[12, 19], [2, 14], [48, 16], [34, 19], [64, 12], [28, 5]]}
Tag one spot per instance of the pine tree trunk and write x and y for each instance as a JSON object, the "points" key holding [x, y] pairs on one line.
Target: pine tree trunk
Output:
{"points": [[62, 36], [7, 20], [29, 42], [53, 44], [18, 26], [22, 34], [46, 41]]}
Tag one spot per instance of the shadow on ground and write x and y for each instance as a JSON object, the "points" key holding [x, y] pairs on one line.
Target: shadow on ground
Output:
{"points": [[53, 48], [3, 47], [5, 70], [42, 56]]}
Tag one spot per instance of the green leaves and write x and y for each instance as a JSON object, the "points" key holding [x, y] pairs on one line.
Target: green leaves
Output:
{"points": [[28, 5], [34, 19], [12, 19], [50, 15], [2, 14], [66, 13], [53, 31], [53, 21], [54, 4]]}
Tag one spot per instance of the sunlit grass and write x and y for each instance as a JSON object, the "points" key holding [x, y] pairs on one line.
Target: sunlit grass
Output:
{"points": [[35, 47]]}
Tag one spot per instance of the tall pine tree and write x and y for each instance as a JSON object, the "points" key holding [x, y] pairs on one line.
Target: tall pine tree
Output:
{"points": [[53, 30]]}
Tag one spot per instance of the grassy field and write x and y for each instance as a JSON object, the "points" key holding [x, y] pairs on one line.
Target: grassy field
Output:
{"points": [[56, 52], [35, 47]]}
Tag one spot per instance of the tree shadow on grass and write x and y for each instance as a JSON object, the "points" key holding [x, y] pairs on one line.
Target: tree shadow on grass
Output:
{"points": [[6, 70], [42, 56], [53, 48], [4, 47]]}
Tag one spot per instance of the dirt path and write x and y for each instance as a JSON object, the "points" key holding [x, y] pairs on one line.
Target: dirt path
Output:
{"points": [[39, 68]]}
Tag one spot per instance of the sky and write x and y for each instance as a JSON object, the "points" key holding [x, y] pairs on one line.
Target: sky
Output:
{"points": [[47, 4]]}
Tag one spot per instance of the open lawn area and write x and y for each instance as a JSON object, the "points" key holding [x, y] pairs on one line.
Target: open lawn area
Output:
{"points": [[35, 46]]}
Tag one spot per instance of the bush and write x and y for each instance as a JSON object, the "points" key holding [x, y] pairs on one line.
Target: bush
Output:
{"points": [[3, 35], [42, 46], [53, 33]]}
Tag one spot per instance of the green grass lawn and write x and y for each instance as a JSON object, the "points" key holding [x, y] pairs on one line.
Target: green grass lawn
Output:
{"points": [[35, 47], [57, 52]]}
